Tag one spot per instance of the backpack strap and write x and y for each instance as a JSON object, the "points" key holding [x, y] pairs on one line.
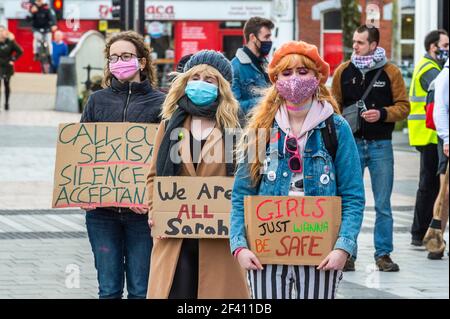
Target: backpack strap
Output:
{"points": [[329, 137], [371, 85]]}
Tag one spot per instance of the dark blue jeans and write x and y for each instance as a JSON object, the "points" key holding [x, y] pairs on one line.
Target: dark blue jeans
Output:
{"points": [[122, 245], [378, 157]]}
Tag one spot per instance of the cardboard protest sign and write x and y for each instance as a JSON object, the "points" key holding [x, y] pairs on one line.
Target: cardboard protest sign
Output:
{"points": [[292, 230], [192, 207], [103, 164]]}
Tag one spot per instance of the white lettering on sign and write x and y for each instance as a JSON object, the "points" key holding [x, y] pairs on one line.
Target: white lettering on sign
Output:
{"points": [[245, 10], [193, 33], [104, 11], [206, 10], [189, 47], [160, 12], [26, 5]]}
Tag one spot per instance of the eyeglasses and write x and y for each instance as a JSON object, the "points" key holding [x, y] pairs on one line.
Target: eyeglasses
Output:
{"points": [[125, 57], [295, 162]]}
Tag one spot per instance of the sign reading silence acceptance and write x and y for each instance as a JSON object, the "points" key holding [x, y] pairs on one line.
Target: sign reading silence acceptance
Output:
{"points": [[103, 164], [192, 207], [292, 230]]}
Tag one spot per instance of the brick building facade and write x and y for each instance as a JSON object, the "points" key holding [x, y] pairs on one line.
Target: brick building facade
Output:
{"points": [[319, 23]]}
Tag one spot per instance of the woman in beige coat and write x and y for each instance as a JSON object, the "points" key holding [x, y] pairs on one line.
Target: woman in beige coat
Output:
{"points": [[200, 101]]}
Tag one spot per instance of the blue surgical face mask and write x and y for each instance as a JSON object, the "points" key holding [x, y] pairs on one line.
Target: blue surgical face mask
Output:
{"points": [[201, 93]]}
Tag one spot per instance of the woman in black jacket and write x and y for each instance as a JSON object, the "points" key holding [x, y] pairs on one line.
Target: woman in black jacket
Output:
{"points": [[120, 238], [10, 51]]}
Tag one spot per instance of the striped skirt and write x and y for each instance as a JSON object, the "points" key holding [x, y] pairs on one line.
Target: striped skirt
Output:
{"points": [[293, 282]]}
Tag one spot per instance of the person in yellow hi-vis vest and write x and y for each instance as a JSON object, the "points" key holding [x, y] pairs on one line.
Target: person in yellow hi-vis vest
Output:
{"points": [[424, 139]]}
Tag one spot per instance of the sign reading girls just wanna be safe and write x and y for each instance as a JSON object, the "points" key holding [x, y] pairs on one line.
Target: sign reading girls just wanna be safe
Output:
{"points": [[292, 230]]}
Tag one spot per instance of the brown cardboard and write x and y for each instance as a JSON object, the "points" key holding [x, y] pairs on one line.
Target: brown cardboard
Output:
{"points": [[102, 164], [192, 207], [274, 239]]}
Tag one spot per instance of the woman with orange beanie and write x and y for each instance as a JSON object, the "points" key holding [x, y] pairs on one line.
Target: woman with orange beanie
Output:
{"points": [[297, 162]]}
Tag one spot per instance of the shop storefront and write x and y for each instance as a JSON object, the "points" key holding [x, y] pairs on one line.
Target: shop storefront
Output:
{"points": [[16, 12], [174, 28]]}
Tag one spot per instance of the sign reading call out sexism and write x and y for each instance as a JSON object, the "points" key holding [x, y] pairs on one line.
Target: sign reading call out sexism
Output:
{"points": [[103, 164]]}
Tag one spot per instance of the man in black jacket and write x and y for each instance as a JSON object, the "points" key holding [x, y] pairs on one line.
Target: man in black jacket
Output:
{"points": [[43, 23], [386, 104], [10, 51]]}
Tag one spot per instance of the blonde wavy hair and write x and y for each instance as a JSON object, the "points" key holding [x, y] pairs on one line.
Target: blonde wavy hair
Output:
{"points": [[263, 115], [227, 111]]}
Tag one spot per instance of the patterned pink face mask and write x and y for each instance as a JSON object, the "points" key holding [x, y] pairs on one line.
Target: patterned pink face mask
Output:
{"points": [[297, 89]]}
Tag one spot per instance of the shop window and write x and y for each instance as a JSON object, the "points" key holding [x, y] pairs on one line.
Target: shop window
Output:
{"points": [[161, 39], [408, 26], [25, 23], [332, 20], [231, 43], [232, 25], [407, 37], [331, 39], [160, 36], [408, 52]]}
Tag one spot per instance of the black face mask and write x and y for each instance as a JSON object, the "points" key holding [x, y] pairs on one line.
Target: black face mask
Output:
{"points": [[265, 47], [442, 55]]}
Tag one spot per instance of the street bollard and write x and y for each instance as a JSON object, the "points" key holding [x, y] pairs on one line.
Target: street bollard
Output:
{"points": [[67, 91]]}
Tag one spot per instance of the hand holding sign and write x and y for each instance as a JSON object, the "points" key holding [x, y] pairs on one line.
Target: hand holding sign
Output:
{"points": [[294, 230], [103, 165], [139, 210], [248, 260], [191, 207], [151, 223], [334, 261], [88, 208]]}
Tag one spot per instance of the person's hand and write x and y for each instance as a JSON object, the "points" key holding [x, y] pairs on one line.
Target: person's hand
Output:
{"points": [[248, 260], [371, 116], [151, 223], [34, 9], [446, 150], [139, 210], [11, 63], [54, 28], [88, 208], [334, 261]]}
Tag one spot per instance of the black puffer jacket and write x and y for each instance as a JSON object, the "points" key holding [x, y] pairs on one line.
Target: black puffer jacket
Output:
{"points": [[44, 18], [125, 102]]}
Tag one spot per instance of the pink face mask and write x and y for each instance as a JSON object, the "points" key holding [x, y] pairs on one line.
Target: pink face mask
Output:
{"points": [[297, 89], [124, 70]]}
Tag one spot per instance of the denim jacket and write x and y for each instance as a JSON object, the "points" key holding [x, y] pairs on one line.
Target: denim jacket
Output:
{"points": [[248, 81], [345, 180]]}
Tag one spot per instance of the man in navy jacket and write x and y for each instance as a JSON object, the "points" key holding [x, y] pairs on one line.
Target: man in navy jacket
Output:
{"points": [[249, 65]]}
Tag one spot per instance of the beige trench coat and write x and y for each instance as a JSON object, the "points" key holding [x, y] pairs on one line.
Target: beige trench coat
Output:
{"points": [[220, 276]]}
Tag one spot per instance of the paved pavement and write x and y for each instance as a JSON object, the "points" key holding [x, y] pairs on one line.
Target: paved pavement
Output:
{"points": [[45, 253]]}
